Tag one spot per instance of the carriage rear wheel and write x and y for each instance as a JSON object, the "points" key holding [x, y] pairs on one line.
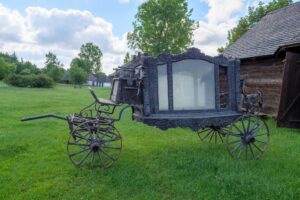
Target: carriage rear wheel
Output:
{"points": [[214, 134], [94, 145], [247, 138]]}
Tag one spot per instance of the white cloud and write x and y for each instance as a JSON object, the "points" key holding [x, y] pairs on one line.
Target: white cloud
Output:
{"points": [[124, 1], [127, 1], [222, 10], [41, 30], [221, 17], [12, 24]]}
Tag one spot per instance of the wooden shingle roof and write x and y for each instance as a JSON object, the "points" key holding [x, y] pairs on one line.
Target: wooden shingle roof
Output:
{"points": [[277, 29]]}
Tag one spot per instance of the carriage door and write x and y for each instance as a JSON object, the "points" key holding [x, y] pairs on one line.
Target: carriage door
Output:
{"points": [[289, 108]]}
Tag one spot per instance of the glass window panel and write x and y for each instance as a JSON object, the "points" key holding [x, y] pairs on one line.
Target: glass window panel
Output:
{"points": [[163, 99], [193, 85], [115, 90]]}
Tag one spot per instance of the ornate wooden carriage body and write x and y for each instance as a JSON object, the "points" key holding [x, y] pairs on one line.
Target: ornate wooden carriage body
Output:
{"points": [[186, 90]]}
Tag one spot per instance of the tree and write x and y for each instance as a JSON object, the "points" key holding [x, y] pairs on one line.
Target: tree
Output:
{"points": [[81, 63], [5, 68], [127, 58], [52, 60], [56, 73], [25, 72], [77, 75], [53, 67], [162, 26], [21, 66], [255, 14], [9, 58], [92, 55]]}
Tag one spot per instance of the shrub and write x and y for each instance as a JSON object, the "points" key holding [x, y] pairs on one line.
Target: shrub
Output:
{"points": [[77, 75], [5, 68], [56, 73], [37, 81], [42, 81], [25, 72]]}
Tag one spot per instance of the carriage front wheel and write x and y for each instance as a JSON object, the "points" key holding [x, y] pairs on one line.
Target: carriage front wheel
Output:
{"points": [[247, 137], [94, 145]]}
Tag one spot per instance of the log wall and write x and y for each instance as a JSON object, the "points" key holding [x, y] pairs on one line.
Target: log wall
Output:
{"points": [[266, 76]]}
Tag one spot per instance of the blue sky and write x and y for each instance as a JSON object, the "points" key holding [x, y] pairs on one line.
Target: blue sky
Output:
{"points": [[31, 28]]}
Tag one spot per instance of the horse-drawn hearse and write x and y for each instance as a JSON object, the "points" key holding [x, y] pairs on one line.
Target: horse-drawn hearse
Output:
{"points": [[188, 90]]}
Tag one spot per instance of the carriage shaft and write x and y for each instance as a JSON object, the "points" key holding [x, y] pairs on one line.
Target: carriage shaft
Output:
{"points": [[44, 116]]}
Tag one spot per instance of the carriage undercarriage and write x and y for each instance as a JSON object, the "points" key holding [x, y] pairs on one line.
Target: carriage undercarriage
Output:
{"points": [[99, 143]]}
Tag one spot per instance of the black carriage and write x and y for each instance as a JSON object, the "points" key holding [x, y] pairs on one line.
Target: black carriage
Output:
{"points": [[188, 90]]}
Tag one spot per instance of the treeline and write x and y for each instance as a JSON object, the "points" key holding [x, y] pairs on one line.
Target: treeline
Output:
{"points": [[26, 74], [22, 74]]}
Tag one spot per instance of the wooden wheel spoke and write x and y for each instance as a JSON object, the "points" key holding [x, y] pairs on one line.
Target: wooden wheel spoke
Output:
{"points": [[116, 138], [260, 134], [251, 150], [84, 158], [206, 135], [106, 132], [234, 134], [243, 124], [261, 151], [238, 129], [257, 128], [103, 135], [216, 137], [100, 159], [93, 159], [221, 137], [234, 141], [79, 152], [248, 127], [212, 135], [80, 136], [246, 152], [89, 129], [236, 148], [240, 152], [260, 141], [78, 144], [109, 155], [203, 130], [86, 135]]}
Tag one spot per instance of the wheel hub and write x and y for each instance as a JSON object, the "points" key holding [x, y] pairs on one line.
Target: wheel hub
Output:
{"points": [[249, 139], [95, 147]]}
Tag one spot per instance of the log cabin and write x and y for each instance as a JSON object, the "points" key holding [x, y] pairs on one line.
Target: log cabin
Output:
{"points": [[270, 63]]}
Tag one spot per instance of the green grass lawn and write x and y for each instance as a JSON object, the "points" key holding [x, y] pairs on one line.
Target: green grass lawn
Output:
{"points": [[154, 164]]}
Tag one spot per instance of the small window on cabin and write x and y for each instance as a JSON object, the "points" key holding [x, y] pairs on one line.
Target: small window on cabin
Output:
{"points": [[223, 82], [163, 100], [193, 85]]}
